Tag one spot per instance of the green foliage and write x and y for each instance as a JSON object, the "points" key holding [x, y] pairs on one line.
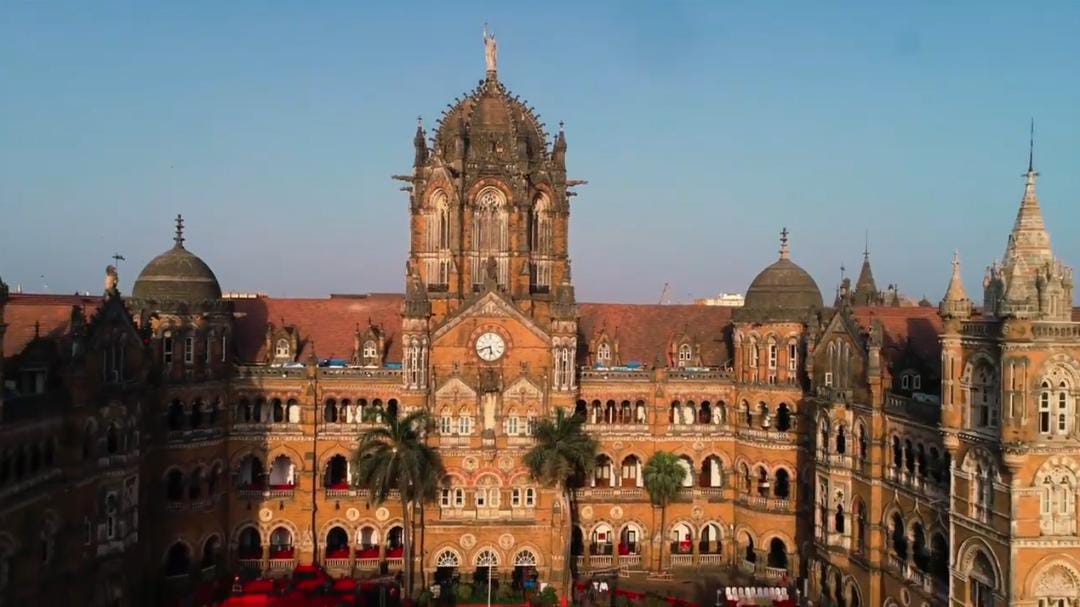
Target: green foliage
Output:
{"points": [[548, 598], [506, 594], [394, 456], [621, 601], [563, 450], [663, 475], [463, 593], [424, 599]]}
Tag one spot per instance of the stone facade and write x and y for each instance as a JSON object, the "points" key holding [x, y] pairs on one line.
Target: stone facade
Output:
{"points": [[885, 454]]}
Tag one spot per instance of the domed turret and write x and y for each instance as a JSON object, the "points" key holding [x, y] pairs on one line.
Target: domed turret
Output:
{"points": [[177, 275], [490, 125], [782, 291]]}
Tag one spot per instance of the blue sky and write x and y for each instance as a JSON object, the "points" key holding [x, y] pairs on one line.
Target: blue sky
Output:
{"points": [[703, 128]]}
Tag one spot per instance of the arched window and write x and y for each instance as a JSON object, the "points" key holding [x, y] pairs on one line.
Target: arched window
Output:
{"points": [[899, 538], [250, 544], [282, 473], [1058, 486], [490, 235], [281, 543], [603, 354], [981, 581], [178, 560], [686, 355], [983, 398], [782, 488], [542, 237], [778, 557], [281, 349]]}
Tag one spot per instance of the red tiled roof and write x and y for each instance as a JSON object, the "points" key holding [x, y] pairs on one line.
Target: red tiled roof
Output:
{"points": [[51, 313], [328, 324], [916, 326], [1076, 314], [644, 332]]}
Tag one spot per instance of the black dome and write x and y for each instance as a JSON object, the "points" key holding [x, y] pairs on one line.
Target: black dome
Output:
{"points": [[176, 275], [783, 286]]}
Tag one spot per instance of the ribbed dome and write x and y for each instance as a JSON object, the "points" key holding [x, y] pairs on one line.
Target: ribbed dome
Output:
{"points": [[176, 275], [492, 122], [784, 286]]}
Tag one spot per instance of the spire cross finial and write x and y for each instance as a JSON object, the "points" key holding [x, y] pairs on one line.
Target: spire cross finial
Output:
{"points": [[784, 243], [1031, 147], [118, 258], [179, 238], [866, 245]]}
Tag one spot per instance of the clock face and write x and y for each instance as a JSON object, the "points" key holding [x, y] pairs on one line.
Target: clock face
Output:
{"points": [[490, 346]]}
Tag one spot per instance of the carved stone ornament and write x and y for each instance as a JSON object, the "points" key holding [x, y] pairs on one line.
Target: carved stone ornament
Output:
{"points": [[467, 540], [506, 463], [266, 515], [618, 445], [306, 541], [352, 514], [697, 513], [382, 514], [616, 512], [469, 463], [586, 513], [1057, 581], [698, 446], [506, 541]]}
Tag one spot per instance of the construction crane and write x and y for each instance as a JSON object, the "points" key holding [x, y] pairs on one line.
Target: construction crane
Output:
{"points": [[664, 294]]}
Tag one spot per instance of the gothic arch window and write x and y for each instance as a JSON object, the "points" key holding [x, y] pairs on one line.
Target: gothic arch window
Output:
{"points": [[981, 579], [281, 348], [1057, 482], [1058, 585], [439, 226], [603, 354], [490, 235], [686, 355], [773, 353], [982, 398], [542, 240]]}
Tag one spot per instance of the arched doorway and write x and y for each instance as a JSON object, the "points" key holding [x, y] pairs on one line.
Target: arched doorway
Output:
{"points": [[282, 473], [210, 552], [486, 562], [395, 545], [446, 566], [249, 544], [337, 473], [177, 560], [778, 554], [682, 537], [281, 544], [525, 576], [337, 543], [710, 540]]}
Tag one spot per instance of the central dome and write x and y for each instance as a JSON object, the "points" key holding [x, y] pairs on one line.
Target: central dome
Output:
{"points": [[490, 124], [177, 275], [782, 291]]}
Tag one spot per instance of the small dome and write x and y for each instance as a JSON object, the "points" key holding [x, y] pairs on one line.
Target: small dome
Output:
{"points": [[177, 275], [782, 291]]}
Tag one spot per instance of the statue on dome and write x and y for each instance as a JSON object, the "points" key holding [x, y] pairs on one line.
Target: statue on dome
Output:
{"points": [[112, 279], [491, 50]]}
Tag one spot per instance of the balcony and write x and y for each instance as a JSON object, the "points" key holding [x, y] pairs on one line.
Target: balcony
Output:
{"points": [[338, 564], [600, 561], [616, 374], [768, 436], [611, 494], [282, 564], [629, 560], [710, 560], [367, 563], [696, 429], [251, 564], [769, 504], [606, 429], [682, 560], [394, 564]]}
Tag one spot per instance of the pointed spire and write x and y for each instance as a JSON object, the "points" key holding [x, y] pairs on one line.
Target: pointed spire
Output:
{"points": [[1029, 242], [866, 292], [419, 142], [784, 252], [955, 304], [179, 238]]}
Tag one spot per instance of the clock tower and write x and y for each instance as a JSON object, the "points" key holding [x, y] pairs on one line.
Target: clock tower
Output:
{"points": [[490, 321]]}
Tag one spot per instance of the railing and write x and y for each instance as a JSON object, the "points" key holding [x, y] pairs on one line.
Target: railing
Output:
{"points": [[339, 493], [282, 564], [711, 560], [837, 460], [597, 561], [628, 560], [394, 564], [911, 407], [613, 428], [773, 504], [175, 506], [251, 563], [279, 493], [773, 573], [367, 564], [361, 372], [682, 560], [338, 563], [267, 371], [772, 436], [696, 428], [616, 374], [747, 567], [1056, 331], [684, 373], [610, 493], [208, 573]]}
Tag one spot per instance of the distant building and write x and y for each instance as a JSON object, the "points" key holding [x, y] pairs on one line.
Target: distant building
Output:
{"points": [[727, 300]]}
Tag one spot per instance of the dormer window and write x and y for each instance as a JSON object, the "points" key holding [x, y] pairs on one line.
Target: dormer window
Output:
{"points": [[189, 350], [603, 354], [905, 381], [370, 350], [167, 350], [916, 382], [686, 355], [281, 350]]}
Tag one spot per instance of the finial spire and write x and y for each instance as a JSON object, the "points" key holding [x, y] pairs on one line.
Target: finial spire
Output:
{"points": [[1031, 147], [784, 243], [179, 238], [866, 245]]}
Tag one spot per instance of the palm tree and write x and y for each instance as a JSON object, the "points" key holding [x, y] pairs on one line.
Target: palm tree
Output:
{"points": [[664, 475], [392, 457], [563, 452]]}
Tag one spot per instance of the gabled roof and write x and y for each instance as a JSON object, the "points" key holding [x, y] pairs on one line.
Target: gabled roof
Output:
{"points": [[326, 326], [50, 313], [644, 332], [913, 330]]}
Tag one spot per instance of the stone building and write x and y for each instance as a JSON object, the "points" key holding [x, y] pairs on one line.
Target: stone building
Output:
{"points": [[884, 454]]}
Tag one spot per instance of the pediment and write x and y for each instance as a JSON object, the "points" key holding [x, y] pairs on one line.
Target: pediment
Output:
{"points": [[490, 305], [523, 387], [455, 388]]}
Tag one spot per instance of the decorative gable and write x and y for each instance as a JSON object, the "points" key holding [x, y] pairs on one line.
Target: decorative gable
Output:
{"points": [[282, 344], [369, 346]]}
